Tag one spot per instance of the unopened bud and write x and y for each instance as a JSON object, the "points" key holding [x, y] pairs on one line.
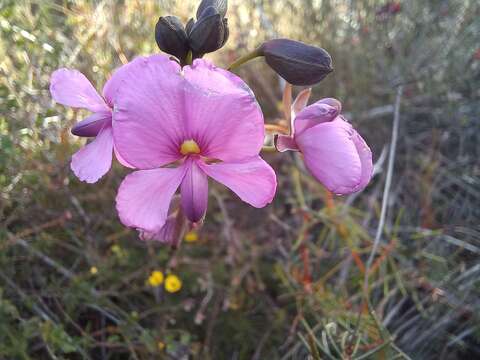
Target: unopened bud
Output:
{"points": [[171, 37], [92, 125], [296, 62], [220, 6], [209, 33], [189, 26]]}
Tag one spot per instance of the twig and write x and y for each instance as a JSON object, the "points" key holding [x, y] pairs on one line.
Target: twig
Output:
{"points": [[35, 308], [388, 183], [383, 213], [48, 260], [258, 352]]}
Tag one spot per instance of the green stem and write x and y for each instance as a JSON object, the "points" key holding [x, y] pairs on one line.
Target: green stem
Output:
{"points": [[189, 58], [267, 148], [242, 60]]}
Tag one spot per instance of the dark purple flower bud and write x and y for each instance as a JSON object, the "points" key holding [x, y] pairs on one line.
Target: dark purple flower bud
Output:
{"points": [[220, 6], [226, 33], [92, 125], [209, 33], [189, 26], [171, 37], [296, 62]]}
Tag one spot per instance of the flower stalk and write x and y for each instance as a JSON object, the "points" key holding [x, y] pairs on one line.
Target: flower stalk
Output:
{"points": [[244, 59]]}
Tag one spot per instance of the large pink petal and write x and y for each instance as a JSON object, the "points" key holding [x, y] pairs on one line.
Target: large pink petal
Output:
{"points": [[331, 156], [313, 115], [72, 88], [91, 126], [366, 160], [205, 75], [94, 160], [222, 114], [109, 92], [149, 112], [253, 180], [194, 190], [111, 87], [144, 197], [120, 159]]}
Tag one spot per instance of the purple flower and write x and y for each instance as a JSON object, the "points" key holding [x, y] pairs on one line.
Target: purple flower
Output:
{"points": [[334, 153], [72, 88], [179, 126]]}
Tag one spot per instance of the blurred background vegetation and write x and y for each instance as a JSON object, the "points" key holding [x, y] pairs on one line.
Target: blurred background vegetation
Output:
{"points": [[284, 282]]}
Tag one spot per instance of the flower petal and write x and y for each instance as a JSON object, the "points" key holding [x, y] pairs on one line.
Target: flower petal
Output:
{"points": [[332, 102], [109, 92], [285, 143], [172, 232], [111, 87], [165, 235], [194, 190], [253, 180], [92, 125], [120, 159], [94, 160], [301, 101], [144, 197], [313, 115], [148, 120], [72, 88], [222, 113], [331, 156], [205, 75], [366, 160]]}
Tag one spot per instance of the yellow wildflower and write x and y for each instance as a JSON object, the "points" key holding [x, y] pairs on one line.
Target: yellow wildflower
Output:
{"points": [[118, 251], [156, 278], [173, 283], [161, 345], [191, 236], [93, 270]]}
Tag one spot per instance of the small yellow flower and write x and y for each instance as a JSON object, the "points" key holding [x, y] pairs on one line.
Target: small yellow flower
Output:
{"points": [[191, 236], [161, 345], [173, 283], [93, 270], [118, 251], [156, 278]]}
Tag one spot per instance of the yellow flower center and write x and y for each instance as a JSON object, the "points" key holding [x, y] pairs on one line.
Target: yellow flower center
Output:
{"points": [[189, 147]]}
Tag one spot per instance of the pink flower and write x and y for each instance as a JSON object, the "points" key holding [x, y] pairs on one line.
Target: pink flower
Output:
{"points": [[334, 153], [72, 88], [199, 121]]}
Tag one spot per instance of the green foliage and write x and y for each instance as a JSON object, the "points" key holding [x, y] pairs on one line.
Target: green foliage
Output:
{"points": [[285, 282]]}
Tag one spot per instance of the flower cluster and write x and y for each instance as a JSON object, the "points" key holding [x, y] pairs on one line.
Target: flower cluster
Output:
{"points": [[178, 122], [171, 282]]}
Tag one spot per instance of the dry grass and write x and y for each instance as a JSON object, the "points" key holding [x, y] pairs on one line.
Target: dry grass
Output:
{"points": [[284, 282]]}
